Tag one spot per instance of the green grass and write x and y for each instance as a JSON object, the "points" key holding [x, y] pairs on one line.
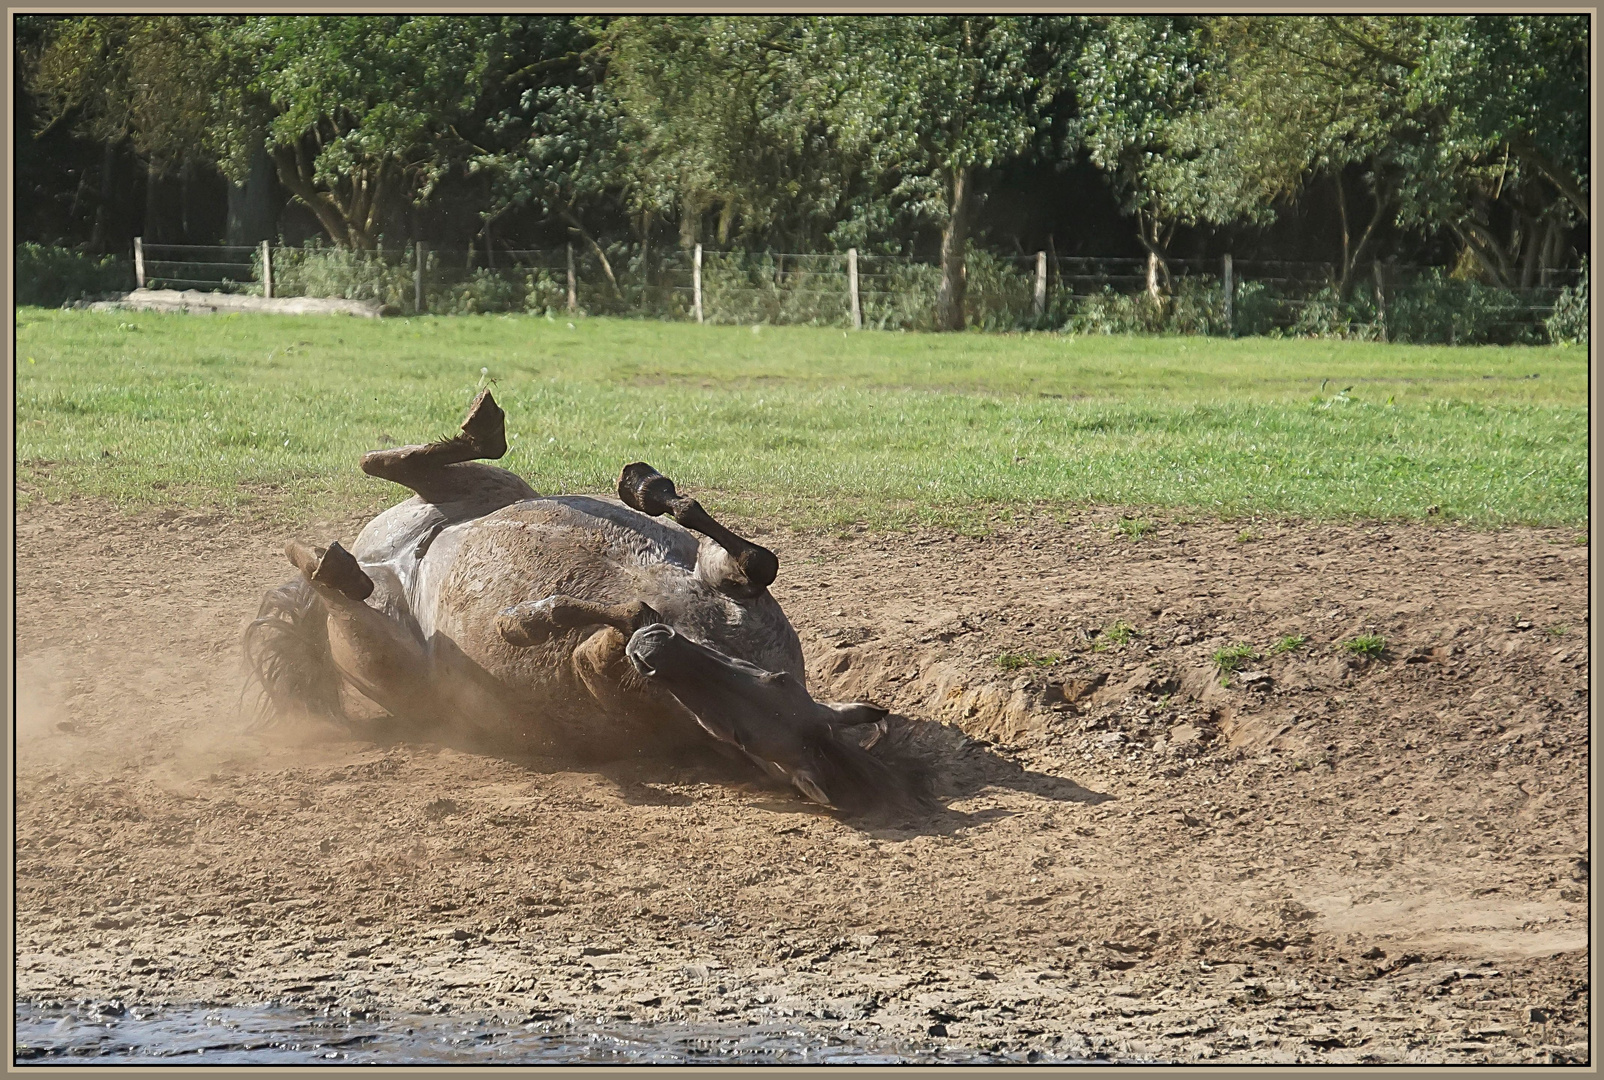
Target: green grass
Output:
{"points": [[1230, 659], [1287, 643], [807, 425], [1370, 646], [1133, 528], [1014, 661]]}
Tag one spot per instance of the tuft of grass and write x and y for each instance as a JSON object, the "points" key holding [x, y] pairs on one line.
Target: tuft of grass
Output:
{"points": [[1120, 633], [1558, 630], [1133, 528], [1287, 643], [801, 424], [1580, 540], [1229, 659], [1014, 661], [1246, 536], [1370, 646]]}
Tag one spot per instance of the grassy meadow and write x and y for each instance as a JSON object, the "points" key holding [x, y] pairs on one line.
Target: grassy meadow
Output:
{"points": [[803, 425]]}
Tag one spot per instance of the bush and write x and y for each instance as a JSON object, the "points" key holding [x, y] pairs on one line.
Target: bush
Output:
{"points": [[50, 276], [1568, 324], [1434, 309], [1327, 315], [1196, 307], [316, 270]]}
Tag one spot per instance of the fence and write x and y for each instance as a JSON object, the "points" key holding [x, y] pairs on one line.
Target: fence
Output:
{"points": [[861, 290]]}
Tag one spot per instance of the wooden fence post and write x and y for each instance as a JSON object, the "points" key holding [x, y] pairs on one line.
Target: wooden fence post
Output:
{"points": [[1229, 290], [696, 283], [417, 278], [852, 286], [573, 282], [1381, 299], [267, 271], [139, 261], [1041, 284]]}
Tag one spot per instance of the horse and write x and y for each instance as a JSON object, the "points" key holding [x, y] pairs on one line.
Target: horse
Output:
{"points": [[567, 625]]}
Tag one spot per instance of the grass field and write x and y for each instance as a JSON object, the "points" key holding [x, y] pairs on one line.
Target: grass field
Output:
{"points": [[811, 426]]}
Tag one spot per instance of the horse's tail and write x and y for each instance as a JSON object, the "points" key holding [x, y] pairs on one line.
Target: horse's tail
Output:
{"points": [[287, 656], [855, 780]]}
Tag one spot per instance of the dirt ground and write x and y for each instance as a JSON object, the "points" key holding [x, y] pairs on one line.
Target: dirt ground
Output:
{"points": [[1333, 859]]}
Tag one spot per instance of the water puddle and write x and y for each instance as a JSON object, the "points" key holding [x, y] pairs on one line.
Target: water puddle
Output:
{"points": [[108, 1031]]}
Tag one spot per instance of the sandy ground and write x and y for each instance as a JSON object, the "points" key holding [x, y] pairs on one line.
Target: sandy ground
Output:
{"points": [[1333, 859]]}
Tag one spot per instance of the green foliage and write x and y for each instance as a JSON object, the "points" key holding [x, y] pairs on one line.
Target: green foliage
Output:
{"points": [[1197, 306], [1133, 528], [319, 270], [1369, 646], [1288, 643], [1121, 633], [1433, 308], [1232, 658], [1015, 661], [52, 276], [1571, 321]]}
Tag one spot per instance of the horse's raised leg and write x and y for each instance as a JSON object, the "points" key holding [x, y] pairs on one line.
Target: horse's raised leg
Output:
{"points": [[375, 653], [645, 489], [533, 621], [438, 471]]}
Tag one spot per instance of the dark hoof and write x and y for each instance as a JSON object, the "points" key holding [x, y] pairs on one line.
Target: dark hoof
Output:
{"points": [[332, 567], [760, 565], [645, 489], [485, 427]]}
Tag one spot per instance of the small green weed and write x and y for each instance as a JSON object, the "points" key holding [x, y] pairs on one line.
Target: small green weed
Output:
{"points": [[1287, 643], [1581, 540], [1246, 536], [1121, 632], [1370, 646], [1014, 661], [1230, 658], [1557, 631], [1133, 528]]}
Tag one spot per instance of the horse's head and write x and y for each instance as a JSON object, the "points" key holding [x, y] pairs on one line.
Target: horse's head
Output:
{"points": [[821, 748]]}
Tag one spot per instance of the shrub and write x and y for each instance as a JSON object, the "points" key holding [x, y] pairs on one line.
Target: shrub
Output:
{"points": [[1434, 309], [1196, 307], [1568, 325], [316, 270], [51, 276]]}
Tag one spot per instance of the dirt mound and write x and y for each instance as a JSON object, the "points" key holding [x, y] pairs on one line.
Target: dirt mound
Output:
{"points": [[1336, 857]]}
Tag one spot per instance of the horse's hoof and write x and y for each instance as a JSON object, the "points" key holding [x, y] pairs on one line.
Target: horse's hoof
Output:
{"points": [[332, 567], [645, 489], [485, 427]]}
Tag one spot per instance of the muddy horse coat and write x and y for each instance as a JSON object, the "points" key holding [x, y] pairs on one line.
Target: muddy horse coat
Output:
{"points": [[570, 624]]}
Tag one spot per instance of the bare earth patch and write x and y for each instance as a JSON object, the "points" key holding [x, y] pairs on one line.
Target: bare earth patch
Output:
{"points": [[1335, 858]]}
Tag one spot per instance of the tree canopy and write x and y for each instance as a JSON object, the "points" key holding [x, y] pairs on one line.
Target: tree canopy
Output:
{"points": [[885, 133]]}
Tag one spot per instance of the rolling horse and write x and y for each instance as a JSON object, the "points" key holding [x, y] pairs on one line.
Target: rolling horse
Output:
{"points": [[568, 625]]}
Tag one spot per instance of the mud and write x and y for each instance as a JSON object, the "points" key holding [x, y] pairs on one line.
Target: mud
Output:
{"points": [[1333, 859]]}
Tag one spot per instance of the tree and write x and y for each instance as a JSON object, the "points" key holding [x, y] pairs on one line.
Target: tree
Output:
{"points": [[361, 114], [143, 80], [931, 101], [1448, 122], [1139, 92]]}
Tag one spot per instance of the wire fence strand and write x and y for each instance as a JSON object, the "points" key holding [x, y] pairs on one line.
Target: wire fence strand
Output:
{"points": [[1042, 291]]}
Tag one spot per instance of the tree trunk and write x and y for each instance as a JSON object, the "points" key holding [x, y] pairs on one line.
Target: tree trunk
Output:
{"points": [[954, 238], [108, 163], [601, 256], [253, 205]]}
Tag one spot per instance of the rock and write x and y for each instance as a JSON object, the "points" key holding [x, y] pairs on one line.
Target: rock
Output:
{"points": [[938, 1030], [1260, 679], [647, 999], [1183, 736], [1537, 1016], [460, 934]]}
